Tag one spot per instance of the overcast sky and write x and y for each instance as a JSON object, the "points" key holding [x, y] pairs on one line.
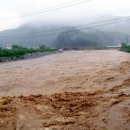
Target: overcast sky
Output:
{"points": [[15, 8]]}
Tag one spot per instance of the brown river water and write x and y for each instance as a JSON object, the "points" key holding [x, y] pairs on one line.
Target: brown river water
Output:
{"points": [[73, 90]]}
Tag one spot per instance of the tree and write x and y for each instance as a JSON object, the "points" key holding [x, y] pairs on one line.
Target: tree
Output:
{"points": [[17, 47], [123, 45], [42, 47]]}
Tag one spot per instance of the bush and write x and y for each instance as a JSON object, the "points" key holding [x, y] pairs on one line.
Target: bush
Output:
{"points": [[19, 51], [16, 46], [42, 47], [125, 47]]}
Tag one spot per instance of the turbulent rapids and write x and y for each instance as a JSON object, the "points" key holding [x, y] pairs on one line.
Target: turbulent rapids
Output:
{"points": [[74, 90]]}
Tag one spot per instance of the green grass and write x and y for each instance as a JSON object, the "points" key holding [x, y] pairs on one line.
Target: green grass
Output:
{"points": [[125, 47], [17, 52]]}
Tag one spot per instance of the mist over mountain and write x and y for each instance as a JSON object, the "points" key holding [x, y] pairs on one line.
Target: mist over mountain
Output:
{"points": [[74, 38], [30, 36], [122, 27], [62, 36]]}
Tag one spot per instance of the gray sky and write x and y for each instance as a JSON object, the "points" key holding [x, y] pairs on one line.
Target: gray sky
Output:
{"points": [[15, 8]]}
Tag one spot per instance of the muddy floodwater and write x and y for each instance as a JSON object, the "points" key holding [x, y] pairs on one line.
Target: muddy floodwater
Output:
{"points": [[73, 90]]}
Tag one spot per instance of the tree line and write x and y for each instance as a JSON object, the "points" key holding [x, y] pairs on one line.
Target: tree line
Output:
{"points": [[17, 51]]}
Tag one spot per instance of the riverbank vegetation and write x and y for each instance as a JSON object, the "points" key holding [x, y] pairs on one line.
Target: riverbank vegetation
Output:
{"points": [[18, 52], [125, 47]]}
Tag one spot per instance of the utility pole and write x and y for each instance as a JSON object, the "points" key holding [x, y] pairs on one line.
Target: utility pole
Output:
{"points": [[127, 40]]}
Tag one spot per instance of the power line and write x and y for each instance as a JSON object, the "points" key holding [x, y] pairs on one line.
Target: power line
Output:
{"points": [[52, 7], [85, 28], [46, 11], [58, 29], [82, 25], [80, 29], [105, 14]]}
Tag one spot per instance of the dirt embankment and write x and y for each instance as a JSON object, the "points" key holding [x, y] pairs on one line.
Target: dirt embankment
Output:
{"points": [[93, 94]]}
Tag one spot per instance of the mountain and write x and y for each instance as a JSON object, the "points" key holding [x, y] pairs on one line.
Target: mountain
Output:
{"points": [[122, 27], [108, 37], [31, 35], [74, 38]]}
